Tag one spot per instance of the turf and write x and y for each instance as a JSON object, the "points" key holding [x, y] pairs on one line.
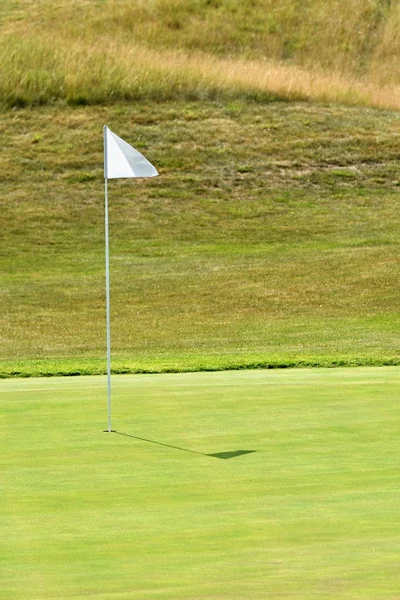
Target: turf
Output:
{"points": [[269, 239], [172, 507]]}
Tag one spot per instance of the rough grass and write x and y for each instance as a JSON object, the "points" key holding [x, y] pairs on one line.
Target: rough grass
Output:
{"points": [[270, 238], [204, 49], [310, 514]]}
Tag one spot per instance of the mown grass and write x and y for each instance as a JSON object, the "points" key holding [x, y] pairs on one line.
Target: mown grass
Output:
{"points": [[269, 239], [170, 49], [311, 513]]}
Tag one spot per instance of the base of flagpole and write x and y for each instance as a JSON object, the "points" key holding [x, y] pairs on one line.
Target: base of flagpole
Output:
{"points": [[109, 431]]}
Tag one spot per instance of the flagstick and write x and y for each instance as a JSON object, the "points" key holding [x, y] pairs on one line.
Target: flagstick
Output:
{"points": [[108, 307], [123, 161]]}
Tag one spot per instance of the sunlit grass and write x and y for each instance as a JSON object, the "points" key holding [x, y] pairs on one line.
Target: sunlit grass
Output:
{"points": [[309, 512]]}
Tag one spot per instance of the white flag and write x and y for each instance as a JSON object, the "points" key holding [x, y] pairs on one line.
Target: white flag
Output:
{"points": [[121, 160]]}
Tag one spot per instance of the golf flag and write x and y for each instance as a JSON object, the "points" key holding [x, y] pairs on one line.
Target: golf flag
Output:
{"points": [[121, 160]]}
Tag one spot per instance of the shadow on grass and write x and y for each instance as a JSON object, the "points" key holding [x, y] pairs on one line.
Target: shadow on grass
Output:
{"points": [[222, 455]]}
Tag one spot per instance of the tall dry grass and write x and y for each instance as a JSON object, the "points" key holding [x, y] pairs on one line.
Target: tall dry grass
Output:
{"points": [[335, 51]]}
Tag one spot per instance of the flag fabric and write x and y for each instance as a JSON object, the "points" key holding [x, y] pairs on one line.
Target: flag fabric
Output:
{"points": [[122, 160]]}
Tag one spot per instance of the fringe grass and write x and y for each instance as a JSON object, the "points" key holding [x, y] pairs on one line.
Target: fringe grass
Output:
{"points": [[85, 366]]}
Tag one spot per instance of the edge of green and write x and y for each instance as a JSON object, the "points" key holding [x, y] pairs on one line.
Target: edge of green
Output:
{"points": [[96, 366]]}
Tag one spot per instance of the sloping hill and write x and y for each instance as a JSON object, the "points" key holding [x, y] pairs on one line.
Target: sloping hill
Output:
{"points": [[270, 238], [106, 51]]}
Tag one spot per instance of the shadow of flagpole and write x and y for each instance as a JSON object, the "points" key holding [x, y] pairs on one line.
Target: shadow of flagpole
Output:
{"points": [[221, 455]]}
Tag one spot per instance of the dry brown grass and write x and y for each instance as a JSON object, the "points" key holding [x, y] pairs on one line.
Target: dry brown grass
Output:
{"points": [[334, 51], [46, 67]]}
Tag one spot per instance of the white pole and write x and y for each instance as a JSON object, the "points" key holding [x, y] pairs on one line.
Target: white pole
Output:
{"points": [[108, 309], [108, 316]]}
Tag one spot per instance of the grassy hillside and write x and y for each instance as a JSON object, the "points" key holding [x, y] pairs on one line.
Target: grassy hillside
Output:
{"points": [[344, 50], [270, 238]]}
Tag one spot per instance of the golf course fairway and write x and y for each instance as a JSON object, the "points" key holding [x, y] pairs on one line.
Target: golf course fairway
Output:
{"points": [[229, 485]]}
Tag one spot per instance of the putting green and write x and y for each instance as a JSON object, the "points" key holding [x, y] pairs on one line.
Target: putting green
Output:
{"points": [[229, 485]]}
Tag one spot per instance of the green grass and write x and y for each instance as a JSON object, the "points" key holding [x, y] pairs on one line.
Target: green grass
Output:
{"points": [[270, 238], [310, 514]]}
